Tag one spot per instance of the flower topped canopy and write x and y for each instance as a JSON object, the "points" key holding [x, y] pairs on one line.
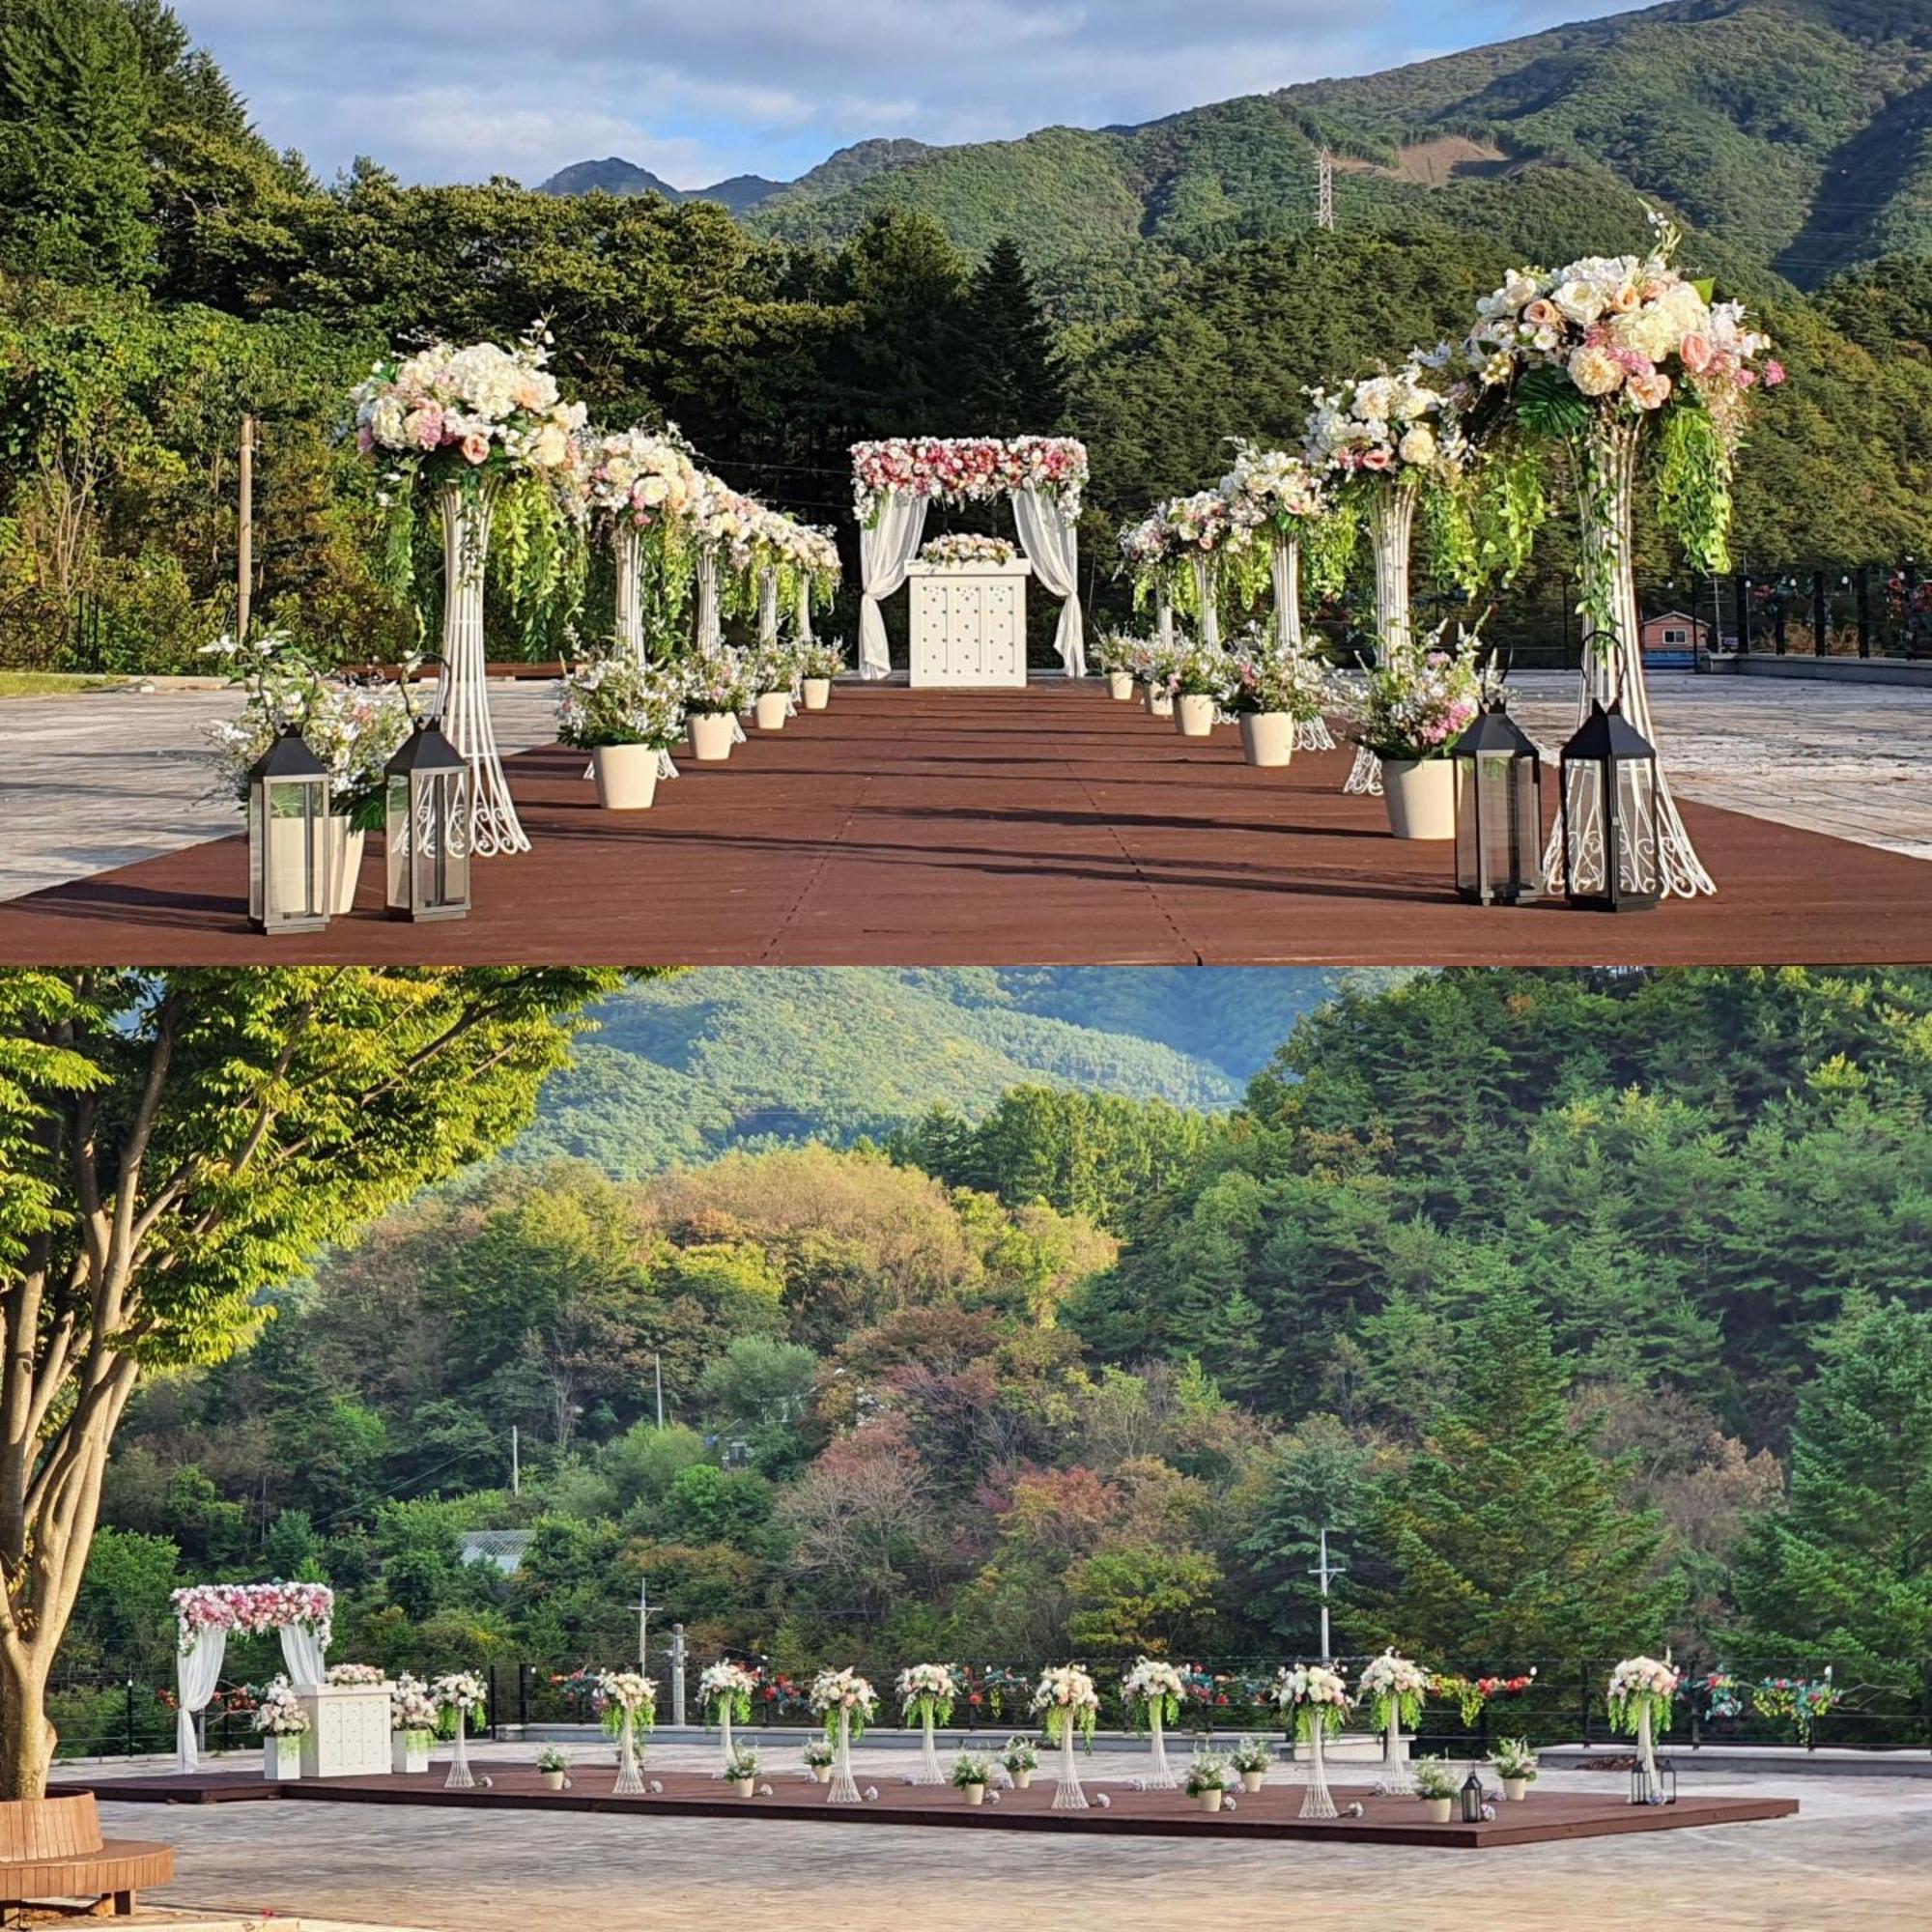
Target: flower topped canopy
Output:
{"points": [[481, 409], [1400, 423], [641, 476], [254, 1609], [967, 469], [1270, 487]]}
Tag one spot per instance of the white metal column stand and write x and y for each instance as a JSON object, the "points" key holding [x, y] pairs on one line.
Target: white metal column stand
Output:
{"points": [[629, 1778], [1310, 734], [1391, 530], [627, 551], [1068, 1795], [1397, 1778], [929, 1771], [845, 1788], [1161, 1776], [464, 693], [1318, 1801], [460, 1777], [1613, 668]]}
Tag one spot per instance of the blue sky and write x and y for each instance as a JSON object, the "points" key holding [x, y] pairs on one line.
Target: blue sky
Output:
{"points": [[456, 89]]}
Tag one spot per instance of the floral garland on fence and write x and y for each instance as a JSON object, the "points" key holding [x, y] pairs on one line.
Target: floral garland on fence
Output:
{"points": [[253, 1609], [1473, 1695], [1798, 1702], [1391, 1687], [927, 1689], [843, 1693], [1066, 1695], [727, 1683], [1316, 1696], [963, 550], [1152, 1686], [1639, 1684], [967, 469]]}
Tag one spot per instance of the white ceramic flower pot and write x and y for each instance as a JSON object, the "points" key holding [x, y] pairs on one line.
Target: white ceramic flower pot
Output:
{"points": [[975, 1794], [1193, 714], [1436, 1810], [343, 847], [409, 1752], [1421, 797], [1251, 1781], [817, 693], [1268, 737], [552, 1779], [627, 776], [742, 1786], [281, 1759], [821, 1774], [1515, 1789], [1021, 1780], [1209, 1800], [771, 708], [1159, 704], [1121, 685], [710, 736]]}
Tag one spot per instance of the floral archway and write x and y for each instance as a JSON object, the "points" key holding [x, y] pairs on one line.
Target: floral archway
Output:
{"points": [[303, 1613], [893, 482]]}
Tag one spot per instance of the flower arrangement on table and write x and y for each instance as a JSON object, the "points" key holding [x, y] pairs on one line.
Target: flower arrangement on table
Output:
{"points": [[1152, 1690], [965, 551], [1420, 696], [353, 728], [613, 699], [716, 681], [1064, 1698], [969, 1770], [412, 1710], [967, 469], [1392, 1689], [1314, 1697], [457, 1695], [1399, 424], [1207, 1771], [253, 1609], [926, 1692], [1020, 1754], [1266, 676], [626, 1697], [726, 1688], [818, 658], [278, 1713], [1642, 1686], [363, 1675], [1515, 1761], [843, 1694], [1798, 1702]]}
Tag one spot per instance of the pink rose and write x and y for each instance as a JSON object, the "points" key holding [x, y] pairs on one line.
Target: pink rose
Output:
{"points": [[475, 447], [1774, 373], [1650, 392], [1696, 349], [365, 439], [1375, 459], [1541, 314]]}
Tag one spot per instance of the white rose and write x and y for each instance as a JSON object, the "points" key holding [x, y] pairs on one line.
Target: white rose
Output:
{"points": [[1418, 446]]}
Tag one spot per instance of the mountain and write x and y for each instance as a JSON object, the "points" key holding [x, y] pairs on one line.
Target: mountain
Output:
{"points": [[682, 1070], [1798, 131], [849, 168], [614, 175]]}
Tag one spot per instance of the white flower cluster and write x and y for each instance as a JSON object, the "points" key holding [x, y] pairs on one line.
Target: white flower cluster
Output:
{"points": [[1152, 1681], [614, 700], [645, 476], [964, 549], [725, 1679], [277, 1714], [1645, 1677], [626, 1690], [1066, 1688], [922, 1682], [835, 1691], [362, 1674], [1271, 487], [458, 1691], [1310, 1684], [473, 402], [1384, 424], [1207, 522], [1391, 1676], [411, 1709]]}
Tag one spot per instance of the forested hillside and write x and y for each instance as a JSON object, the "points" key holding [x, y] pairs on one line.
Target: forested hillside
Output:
{"points": [[1588, 1312]]}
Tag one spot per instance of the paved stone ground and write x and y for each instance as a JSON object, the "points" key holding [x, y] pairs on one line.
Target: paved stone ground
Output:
{"points": [[1859, 1856], [98, 780]]}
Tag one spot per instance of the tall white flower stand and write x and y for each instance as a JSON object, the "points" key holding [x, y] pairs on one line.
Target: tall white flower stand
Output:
{"points": [[627, 549], [629, 1778], [348, 1733], [1208, 599], [460, 1777], [1310, 734], [1317, 1801], [725, 1735], [1646, 1755], [281, 1759], [929, 1771], [1397, 1778], [1391, 533], [844, 1789], [1068, 1795], [1160, 1773], [463, 699], [1613, 669]]}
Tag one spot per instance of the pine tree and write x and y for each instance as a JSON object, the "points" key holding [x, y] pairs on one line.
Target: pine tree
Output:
{"points": [[1842, 1575], [1013, 383], [1504, 1539]]}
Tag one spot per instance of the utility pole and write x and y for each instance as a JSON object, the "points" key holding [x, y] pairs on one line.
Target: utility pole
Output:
{"points": [[658, 1374], [1326, 1571], [1324, 189], [643, 1626], [244, 544], [516, 1463], [677, 1675]]}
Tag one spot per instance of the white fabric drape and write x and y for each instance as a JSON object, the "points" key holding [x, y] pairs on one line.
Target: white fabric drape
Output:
{"points": [[1206, 595], [301, 1655], [197, 1671], [886, 549], [710, 628], [1052, 544]]}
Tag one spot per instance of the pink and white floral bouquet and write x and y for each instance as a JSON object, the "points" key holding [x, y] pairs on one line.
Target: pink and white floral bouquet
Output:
{"points": [[1422, 697], [278, 1713], [1394, 424], [1065, 1696], [716, 681], [1271, 489], [1153, 1687], [966, 470], [1268, 677], [965, 548], [1209, 521], [363, 1675], [411, 1709], [254, 1609], [1316, 1696], [726, 521], [645, 477], [622, 1694], [1392, 1688], [728, 1684], [843, 1693], [927, 1689], [1641, 1685], [1147, 547]]}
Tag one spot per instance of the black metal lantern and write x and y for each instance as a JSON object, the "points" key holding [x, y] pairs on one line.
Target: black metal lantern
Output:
{"points": [[1657, 1786], [427, 803], [1472, 1799], [1612, 824], [288, 837], [1498, 812]]}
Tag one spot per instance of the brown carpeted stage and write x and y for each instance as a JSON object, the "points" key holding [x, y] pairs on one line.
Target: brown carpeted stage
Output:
{"points": [[1043, 827], [1269, 1814]]}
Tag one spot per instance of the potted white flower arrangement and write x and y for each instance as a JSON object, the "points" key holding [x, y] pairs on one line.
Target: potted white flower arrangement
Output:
{"points": [[818, 663], [281, 1723], [1206, 1781], [818, 1759], [847, 1702], [1251, 1758], [970, 1776], [1114, 655], [742, 1771], [625, 715], [1412, 708], [1515, 1767], [1151, 1693], [717, 687], [772, 671], [459, 1696], [553, 1767], [1199, 680], [626, 1701], [413, 1723], [1273, 689], [1436, 1786], [1156, 661], [1021, 1759], [926, 1694]]}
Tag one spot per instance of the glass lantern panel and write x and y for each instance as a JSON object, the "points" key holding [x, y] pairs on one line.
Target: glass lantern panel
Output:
{"points": [[1496, 857], [1640, 873], [450, 813], [1526, 827], [1583, 829], [295, 852], [396, 855]]}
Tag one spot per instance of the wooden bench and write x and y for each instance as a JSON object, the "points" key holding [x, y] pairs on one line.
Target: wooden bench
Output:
{"points": [[51, 1847]]}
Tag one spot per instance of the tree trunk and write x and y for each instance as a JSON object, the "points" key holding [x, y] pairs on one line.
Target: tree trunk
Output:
{"points": [[27, 1738]]}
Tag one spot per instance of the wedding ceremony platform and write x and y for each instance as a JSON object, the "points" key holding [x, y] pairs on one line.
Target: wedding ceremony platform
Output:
{"points": [[1269, 1814], [1044, 826]]}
